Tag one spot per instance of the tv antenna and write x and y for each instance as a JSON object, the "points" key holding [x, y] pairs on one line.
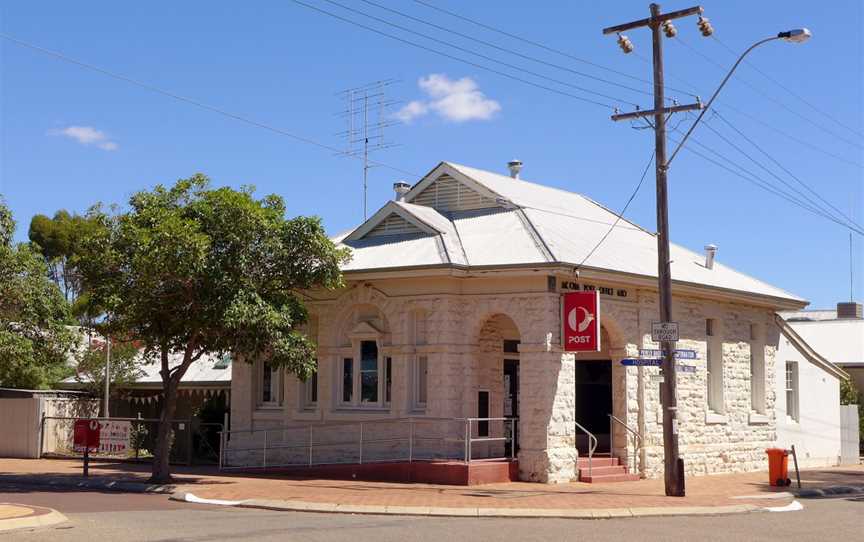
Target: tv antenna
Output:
{"points": [[366, 114]]}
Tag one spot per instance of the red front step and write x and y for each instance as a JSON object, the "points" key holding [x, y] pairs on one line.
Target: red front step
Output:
{"points": [[604, 469], [582, 462]]}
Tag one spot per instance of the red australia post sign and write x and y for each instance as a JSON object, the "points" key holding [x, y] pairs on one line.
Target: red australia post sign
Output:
{"points": [[580, 318], [85, 435]]}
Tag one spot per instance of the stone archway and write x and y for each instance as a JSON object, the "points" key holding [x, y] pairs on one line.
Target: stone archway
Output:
{"points": [[494, 384]]}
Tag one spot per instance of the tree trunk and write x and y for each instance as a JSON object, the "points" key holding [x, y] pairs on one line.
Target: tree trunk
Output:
{"points": [[161, 473]]}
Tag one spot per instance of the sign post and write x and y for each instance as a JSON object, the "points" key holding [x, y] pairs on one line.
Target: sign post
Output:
{"points": [[580, 319]]}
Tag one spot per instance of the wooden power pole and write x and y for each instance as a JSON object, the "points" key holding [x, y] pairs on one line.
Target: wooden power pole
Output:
{"points": [[660, 23]]}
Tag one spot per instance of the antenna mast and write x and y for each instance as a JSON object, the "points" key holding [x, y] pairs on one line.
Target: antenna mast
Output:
{"points": [[366, 115]]}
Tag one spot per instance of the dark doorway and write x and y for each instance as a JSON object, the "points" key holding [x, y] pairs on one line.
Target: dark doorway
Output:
{"points": [[593, 402], [511, 402]]}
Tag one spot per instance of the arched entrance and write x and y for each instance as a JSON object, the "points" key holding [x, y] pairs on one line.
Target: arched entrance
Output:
{"points": [[496, 385]]}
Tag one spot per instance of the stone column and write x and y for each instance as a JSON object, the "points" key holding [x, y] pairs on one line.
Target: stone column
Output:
{"points": [[547, 388]]}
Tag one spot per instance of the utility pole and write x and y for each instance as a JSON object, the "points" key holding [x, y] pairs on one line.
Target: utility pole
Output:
{"points": [[660, 22]]}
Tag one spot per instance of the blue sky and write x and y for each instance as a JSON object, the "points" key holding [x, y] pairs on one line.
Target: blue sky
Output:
{"points": [[72, 137]]}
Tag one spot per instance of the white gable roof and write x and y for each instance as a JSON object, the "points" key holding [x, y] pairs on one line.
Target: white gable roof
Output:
{"points": [[530, 223]]}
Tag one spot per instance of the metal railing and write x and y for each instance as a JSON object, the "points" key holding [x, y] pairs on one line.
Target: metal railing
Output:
{"points": [[592, 444], [637, 438], [368, 441]]}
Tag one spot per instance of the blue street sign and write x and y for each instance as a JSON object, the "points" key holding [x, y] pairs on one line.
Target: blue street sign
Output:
{"points": [[679, 354], [642, 362]]}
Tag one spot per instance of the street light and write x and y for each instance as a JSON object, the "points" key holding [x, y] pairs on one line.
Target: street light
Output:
{"points": [[796, 35]]}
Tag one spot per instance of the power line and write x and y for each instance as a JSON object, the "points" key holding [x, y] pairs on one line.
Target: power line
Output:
{"points": [[451, 45], [800, 194], [786, 170], [754, 179], [621, 214], [768, 97], [506, 50], [190, 101], [542, 46], [757, 120], [785, 87], [452, 57]]}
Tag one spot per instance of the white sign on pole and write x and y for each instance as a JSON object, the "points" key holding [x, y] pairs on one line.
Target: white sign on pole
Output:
{"points": [[664, 331]]}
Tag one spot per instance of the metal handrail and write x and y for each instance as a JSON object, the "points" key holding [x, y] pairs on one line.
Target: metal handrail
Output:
{"points": [[637, 438], [591, 448], [468, 438]]}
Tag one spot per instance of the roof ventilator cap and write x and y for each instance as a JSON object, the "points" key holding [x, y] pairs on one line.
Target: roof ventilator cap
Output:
{"points": [[401, 188], [515, 166], [710, 253]]}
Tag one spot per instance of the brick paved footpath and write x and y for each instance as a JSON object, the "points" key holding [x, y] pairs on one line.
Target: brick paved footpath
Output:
{"points": [[717, 490]]}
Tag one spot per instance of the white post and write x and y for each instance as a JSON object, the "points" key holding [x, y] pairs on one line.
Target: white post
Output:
{"points": [[107, 376]]}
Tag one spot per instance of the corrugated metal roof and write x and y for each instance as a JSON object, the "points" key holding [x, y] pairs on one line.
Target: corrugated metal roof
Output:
{"points": [[205, 370], [558, 226]]}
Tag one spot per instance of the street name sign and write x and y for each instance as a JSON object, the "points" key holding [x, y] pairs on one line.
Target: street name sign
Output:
{"points": [[664, 331]]}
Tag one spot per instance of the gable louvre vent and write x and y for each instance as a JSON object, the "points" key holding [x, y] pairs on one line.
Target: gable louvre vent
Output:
{"points": [[393, 225], [448, 194]]}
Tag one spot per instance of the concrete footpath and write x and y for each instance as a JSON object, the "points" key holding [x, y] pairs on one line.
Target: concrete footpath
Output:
{"points": [[706, 495]]}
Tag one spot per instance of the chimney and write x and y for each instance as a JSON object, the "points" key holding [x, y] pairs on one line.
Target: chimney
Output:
{"points": [[850, 309], [515, 166], [710, 253], [401, 188]]}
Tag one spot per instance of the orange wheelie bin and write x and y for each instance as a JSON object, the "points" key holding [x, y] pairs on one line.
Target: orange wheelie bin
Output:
{"points": [[778, 467]]}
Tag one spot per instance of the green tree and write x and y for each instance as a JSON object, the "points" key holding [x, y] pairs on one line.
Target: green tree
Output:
{"points": [[59, 240], [193, 270], [35, 340]]}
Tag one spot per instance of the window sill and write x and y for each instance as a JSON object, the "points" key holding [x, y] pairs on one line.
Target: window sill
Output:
{"points": [[714, 418], [350, 408], [268, 408], [758, 419]]}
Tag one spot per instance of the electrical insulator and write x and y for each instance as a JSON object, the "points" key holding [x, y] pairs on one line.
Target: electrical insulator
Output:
{"points": [[670, 29], [625, 44], [705, 26]]}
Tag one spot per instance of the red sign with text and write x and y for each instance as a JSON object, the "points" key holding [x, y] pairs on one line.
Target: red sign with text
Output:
{"points": [[580, 316], [86, 435]]}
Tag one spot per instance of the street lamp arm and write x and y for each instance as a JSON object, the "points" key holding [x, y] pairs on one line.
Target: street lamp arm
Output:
{"points": [[716, 92]]}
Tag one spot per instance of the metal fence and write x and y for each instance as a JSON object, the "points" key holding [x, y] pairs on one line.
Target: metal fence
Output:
{"points": [[373, 441], [192, 441]]}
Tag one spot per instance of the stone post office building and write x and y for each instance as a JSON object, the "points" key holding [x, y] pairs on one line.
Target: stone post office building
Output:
{"points": [[452, 310]]}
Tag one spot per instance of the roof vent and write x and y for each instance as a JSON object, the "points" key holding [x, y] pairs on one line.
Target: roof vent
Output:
{"points": [[401, 188], [515, 166], [710, 253], [850, 309]]}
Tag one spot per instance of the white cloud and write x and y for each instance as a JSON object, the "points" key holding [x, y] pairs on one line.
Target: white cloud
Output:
{"points": [[86, 135], [455, 100]]}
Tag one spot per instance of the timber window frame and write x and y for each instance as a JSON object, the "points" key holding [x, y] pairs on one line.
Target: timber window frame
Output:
{"points": [[269, 384], [792, 392], [714, 381]]}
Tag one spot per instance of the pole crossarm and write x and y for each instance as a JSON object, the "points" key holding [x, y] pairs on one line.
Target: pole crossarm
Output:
{"points": [[695, 10], [652, 112]]}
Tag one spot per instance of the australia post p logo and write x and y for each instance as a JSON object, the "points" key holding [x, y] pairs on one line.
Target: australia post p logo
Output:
{"points": [[580, 319]]}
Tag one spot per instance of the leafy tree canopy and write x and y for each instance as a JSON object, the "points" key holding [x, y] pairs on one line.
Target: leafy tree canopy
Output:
{"points": [[59, 240], [193, 269], [35, 340]]}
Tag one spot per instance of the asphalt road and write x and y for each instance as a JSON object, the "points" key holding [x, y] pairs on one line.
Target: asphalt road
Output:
{"points": [[132, 517]]}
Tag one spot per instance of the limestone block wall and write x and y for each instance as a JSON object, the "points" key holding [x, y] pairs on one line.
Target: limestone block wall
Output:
{"points": [[461, 338], [731, 441]]}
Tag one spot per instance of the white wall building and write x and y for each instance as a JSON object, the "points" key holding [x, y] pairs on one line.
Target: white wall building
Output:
{"points": [[452, 310], [807, 387]]}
